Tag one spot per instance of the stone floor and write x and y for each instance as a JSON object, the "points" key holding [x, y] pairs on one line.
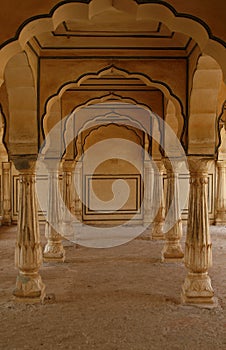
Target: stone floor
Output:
{"points": [[120, 298]]}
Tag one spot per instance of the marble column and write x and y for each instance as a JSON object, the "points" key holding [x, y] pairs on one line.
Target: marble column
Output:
{"points": [[220, 215], [67, 190], [77, 191], [197, 287], [28, 254], [54, 250], [158, 205], [6, 184], [172, 250], [148, 187]]}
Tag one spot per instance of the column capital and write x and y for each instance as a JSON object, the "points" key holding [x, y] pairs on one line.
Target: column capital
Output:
{"points": [[6, 165], [68, 165], [24, 164], [172, 165], [198, 165], [221, 163], [159, 165]]}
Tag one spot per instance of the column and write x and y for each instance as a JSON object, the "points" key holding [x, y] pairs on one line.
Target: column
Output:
{"points": [[6, 173], [197, 287], [54, 250], [220, 216], [148, 186], [67, 191], [172, 250], [77, 191], [158, 206], [28, 254]]}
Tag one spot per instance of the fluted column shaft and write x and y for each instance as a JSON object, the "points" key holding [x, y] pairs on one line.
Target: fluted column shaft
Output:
{"points": [[220, 216], [197, 287], [172, 250], [28, 254], [54, 250], [6, 173], [158, 206]]}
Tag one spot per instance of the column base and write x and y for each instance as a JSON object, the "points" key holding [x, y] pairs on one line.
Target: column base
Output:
{"points": [[29, 288], [220, 219], [172, 252], [54, 251], [157, 231], [197, 290], [6, 220], [146, 234]]}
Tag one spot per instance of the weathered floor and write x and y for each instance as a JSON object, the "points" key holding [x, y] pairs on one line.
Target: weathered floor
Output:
{"points": [[120, 298]]}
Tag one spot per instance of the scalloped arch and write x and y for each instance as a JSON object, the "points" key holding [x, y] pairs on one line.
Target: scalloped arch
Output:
{"points": [[74, 10], [115, 70]]}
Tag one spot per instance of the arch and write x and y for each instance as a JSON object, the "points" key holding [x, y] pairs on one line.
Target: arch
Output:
{"points": [[19, 82], [203, 107], [68, 124], [116, 125], [165, 13], [113, 70]]}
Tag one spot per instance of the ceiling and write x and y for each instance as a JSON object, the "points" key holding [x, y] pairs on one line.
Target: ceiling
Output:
{"points": [[120, 37]]}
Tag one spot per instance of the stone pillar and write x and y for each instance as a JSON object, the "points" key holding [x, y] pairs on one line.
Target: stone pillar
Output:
{"points": [[197, 287], [172, 250], [77, 191], [54, 250], [158, 205], [28, 255], [148, 187], [67, 190], [6, 173], [220, 216]]}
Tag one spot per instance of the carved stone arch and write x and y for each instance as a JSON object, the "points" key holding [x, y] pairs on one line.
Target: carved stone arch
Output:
{"points": [[147, 81], [54, 100], [123, 121], [113, 113], [163, 12], [22, 99], [203, 107]]}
